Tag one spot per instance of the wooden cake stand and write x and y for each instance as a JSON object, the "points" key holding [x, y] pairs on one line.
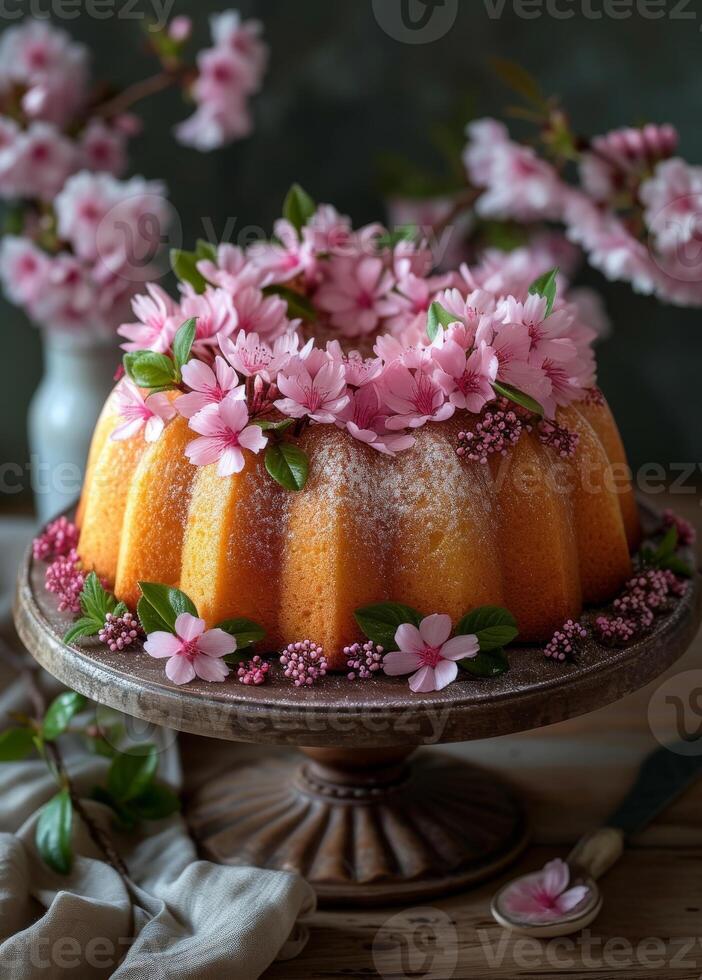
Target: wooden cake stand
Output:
{"points": [[355, 816]]}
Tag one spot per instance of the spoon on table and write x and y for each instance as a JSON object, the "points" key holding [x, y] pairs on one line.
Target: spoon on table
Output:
{"points": [[663, 776]]}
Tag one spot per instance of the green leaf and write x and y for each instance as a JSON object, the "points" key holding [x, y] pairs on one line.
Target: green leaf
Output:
{"points": [[520, 81], [403, 233], [183, 343], [494, 626], [546, 286], [379, 622], [287, 464], [156, 803], [678, 566], [83, 627], [60, 713], [16, 744], [518, 397], [298, 207], [298, 305], [245, 631], [486, 664], [668, 545], [184, 265], [95, 601], [124, 818], [205, 250], [438, 317], [150, 618], [147, 369], [130, 774], [268, 425], [53, 834], [167, 603]]}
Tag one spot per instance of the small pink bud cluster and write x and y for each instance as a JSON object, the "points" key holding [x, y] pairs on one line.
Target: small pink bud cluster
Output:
{"points": [[687, 535], [56, 540], [625, 148], [304, 662], [561, 440], [120, 632], [564, 641], [66, 580], [262, 395], [645, 596], [363, 660], [495, 433], [253, 671]]}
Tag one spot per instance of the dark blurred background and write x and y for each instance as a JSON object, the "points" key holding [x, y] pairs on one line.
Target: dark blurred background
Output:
{"points": [[341, 91]]}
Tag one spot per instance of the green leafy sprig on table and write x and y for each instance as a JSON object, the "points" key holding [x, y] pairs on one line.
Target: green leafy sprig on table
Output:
{"points": [[132, 791], [95, 603], [494, 627]]}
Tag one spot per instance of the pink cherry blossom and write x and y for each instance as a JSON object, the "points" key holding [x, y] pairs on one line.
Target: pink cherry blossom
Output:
{"points": [[544, 896], [213, 126], [264, 315], [545, 331], [327, 230], [180, 28], [358, 370], [251, 356], [192, 651], [231, 270], [468, 380], [240, 36], [215, 313], [428, 654], [414, 396], [365, 419], [353, 293], [224, 434], [284, 259], [103, 148], [314, 387], [209, 387], [42, 158], [672, 200], [156, 327], [512, 345], [519, 184], [406, 307], [150, 413], [24, 269]]}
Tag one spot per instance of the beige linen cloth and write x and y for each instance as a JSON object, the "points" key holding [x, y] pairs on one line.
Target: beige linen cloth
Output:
{"points": [[185, 919]]}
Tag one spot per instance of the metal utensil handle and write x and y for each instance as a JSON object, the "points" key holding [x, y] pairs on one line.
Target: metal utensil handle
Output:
{"points": [[596, 853]]}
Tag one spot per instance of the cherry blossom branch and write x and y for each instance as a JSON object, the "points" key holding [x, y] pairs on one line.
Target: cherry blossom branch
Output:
{"points": [[138, 91]]}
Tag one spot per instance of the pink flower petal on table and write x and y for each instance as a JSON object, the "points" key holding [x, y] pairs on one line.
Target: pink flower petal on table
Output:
{"points": [[408, 638], [423, 681], [210, 669], [572, 898], [216, 643], [162, 644], [180, 670], [189, 627], [400, 662], [555, 877], [435, 629], [461, 646], [445, 673]]}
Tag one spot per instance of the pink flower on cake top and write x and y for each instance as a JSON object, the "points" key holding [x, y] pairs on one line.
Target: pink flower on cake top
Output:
{"points": [[224, 434], [150, 414]]}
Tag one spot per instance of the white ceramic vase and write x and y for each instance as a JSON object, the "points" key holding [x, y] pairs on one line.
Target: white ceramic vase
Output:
{"points": [[78, 376]]}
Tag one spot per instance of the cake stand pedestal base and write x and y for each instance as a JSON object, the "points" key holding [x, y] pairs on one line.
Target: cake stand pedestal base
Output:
{"points": [[363, 826]]}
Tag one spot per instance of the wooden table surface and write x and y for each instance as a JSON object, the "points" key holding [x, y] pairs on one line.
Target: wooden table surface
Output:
{"points": [[572, 775]]}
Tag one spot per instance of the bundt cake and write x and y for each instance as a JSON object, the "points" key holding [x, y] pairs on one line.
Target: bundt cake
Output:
{"points": [[321, 423], [535, 533]]}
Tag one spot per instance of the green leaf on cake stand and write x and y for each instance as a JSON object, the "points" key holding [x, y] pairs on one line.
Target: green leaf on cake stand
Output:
{"points": [[287, 464], [494, 627], [161, 605], [298, 207], [486, 665], [665, 556], [245, 631], [379, 622], [437, 317], [546, 286], [95, 603]]}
